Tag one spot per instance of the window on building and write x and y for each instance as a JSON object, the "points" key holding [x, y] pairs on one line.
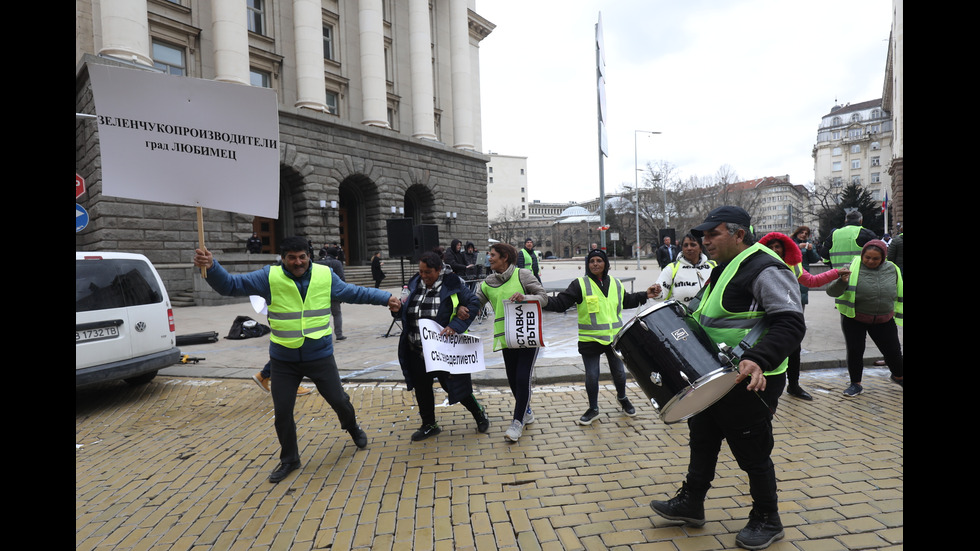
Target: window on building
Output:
{"points": [[836, 151], [875, 161], [491, 179], [856, 117], [855, 163], [255, 13], [836, 166], [875, 146], [169, 59], [855, 133], [333, 103], [856, 148], [259, 78], [835, 135], [328, 43], [875, 177]]}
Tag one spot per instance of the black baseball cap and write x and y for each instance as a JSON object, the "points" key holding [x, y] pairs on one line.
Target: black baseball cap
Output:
{"points": [[728, 213]]}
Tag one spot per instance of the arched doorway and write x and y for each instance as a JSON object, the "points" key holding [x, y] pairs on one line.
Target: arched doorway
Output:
{"points": [[270, 231], [419, 203], [358, 197]]}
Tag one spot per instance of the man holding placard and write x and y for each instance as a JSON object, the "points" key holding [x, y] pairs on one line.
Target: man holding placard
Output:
{"points": [[435, 296], [299, 294]]}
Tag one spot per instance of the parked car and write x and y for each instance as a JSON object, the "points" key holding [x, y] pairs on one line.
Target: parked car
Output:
{"points": [[124, 322]]}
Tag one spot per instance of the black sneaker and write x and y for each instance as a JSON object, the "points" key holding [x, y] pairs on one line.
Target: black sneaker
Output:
{"points": [[426, 431], [482, 421], [358, 436], [590, 415], [685, 506], [761, 531], [854, 390], [628, 408]]}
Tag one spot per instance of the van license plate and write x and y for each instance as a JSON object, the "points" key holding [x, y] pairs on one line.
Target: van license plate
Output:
{"points": [[96, 334]]}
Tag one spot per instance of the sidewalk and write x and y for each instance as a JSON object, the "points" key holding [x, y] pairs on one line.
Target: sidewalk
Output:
{"points": [[183, 462], [368, 355]]}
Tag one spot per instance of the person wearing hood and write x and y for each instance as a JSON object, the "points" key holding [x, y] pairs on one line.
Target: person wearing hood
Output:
{"points": [[682, 279], [869, 300], [435, 295], [469, 253], [790, 252], [455, 259], [508, 282], [600, 300]]}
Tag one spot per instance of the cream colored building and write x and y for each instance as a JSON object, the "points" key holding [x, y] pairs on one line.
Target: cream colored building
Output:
{"points": [[378, 109], [854, 145], [507, 187]]}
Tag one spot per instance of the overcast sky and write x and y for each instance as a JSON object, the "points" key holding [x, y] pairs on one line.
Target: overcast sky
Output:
{"points": [[741, 83]]}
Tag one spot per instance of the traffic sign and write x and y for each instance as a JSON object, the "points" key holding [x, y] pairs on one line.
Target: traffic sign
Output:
{"points": [[81, 218], [79, 186]]}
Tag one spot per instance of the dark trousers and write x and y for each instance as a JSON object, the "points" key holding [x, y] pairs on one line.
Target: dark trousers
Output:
{"points": [[744, 420], [519, 364], [286, 377], [885, 337], [459, 387], [616, 369]]}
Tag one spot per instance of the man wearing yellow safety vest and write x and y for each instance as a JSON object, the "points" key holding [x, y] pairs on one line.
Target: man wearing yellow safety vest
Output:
{"points": [[528, 260], [750, 285], [600, 299], [844, 244], [299, 294]]}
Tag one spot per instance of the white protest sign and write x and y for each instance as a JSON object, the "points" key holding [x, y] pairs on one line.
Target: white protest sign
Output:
{"points": [[187, 141], [453, 353], [522, 324]]}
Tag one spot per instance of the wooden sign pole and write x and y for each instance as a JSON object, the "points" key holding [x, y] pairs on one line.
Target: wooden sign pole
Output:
{"points": [[200, 237]]}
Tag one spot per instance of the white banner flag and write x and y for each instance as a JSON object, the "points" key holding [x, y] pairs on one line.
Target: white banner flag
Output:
{"points": [[522, 324], [453, 353]]}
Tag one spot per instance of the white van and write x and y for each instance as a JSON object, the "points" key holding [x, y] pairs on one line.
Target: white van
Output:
{"points": [[124, 323]]}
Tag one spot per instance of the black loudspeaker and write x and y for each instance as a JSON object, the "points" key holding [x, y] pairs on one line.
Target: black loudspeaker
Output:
{"points": [[401, 241], [426, 238]]}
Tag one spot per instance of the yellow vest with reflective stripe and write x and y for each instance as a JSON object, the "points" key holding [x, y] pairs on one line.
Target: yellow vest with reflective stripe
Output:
{"points": [[292, 319], [496, 296], [599, 317], [845, 302], [727, 327], [845, 246]]}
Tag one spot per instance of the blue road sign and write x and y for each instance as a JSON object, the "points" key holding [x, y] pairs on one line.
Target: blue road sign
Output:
{"points": [[81, 218]]}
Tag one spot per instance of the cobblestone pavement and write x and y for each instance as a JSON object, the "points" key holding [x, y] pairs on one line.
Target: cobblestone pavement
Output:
{"points": [[182, 463]]}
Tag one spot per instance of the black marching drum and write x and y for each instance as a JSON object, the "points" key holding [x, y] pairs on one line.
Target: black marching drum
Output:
{"points": [[677, 366]]}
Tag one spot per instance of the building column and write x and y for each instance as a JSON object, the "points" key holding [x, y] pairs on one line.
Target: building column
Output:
{"points": [[125, 31], [374, 89], [459, 43], [230, 28], [423, 92], [308, 29]]}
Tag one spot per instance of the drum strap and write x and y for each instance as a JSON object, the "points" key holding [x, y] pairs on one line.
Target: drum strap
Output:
{"points": [[753, 335]]}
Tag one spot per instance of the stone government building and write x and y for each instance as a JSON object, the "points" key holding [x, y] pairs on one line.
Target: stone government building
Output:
{"points": [[379, 118]]}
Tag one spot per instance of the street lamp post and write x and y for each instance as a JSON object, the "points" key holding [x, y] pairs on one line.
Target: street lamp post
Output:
{"points": [[636, 194]]}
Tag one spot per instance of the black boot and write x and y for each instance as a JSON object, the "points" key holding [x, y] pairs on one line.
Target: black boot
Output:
{"points": [[761, 531], [482, 421], [685, 506]]}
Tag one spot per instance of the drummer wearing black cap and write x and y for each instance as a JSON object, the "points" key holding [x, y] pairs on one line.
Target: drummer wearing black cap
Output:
{"points": [[750, 286]]}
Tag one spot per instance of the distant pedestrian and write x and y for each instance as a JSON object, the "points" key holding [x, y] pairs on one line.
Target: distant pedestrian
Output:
{"points": [[254, 244], [376, 272]]}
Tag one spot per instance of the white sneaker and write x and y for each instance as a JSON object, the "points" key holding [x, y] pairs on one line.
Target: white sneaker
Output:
{"points": [[515, 431], [528, 417]]}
